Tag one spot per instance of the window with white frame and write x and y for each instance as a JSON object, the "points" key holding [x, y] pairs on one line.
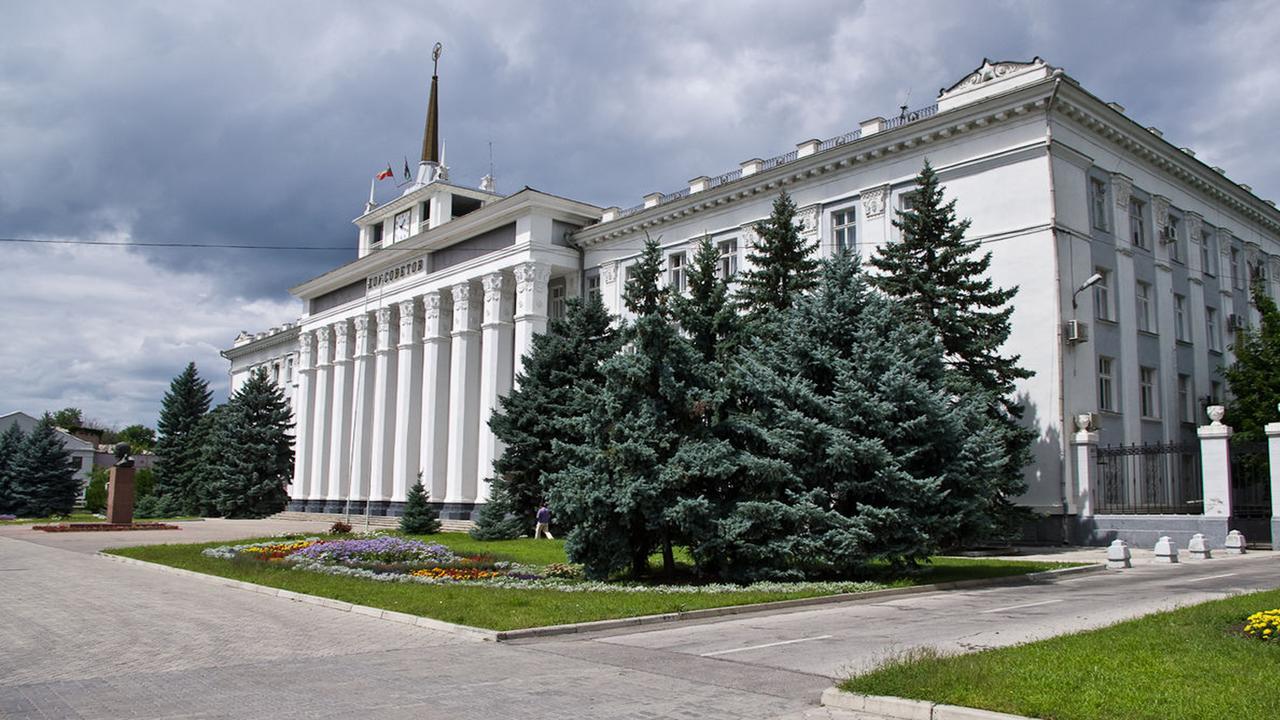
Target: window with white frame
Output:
{"points": [[275, 373], [1237, 272], [1098, 199], [288, 369], [555, 302], [1146, 314], [1180, 326], [1174, 240], [1211, 326], [1102, 295], [593, 287], [1149, 394], [1106, 383], [1206, 252], [728, 267], [844, 229], [676, 278], [1137, 223], [1186, 399]]}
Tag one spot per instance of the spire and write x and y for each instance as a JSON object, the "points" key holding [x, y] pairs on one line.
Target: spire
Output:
{"points": [[430, 138]]}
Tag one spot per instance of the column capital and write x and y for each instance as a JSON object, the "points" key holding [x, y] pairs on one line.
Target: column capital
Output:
{"points": [[323, 336], [304, 349], [361, 323], [436, 316], [1122, 189], [408, 321], [497, 291], [342, 341], [466, 317], [531, 288], [383, 316]]}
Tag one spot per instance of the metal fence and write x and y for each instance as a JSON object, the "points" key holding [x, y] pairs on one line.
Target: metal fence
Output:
{"points": [[1150, 479], [1250, 480]]}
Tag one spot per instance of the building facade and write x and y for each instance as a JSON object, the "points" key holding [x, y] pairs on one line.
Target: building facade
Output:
{"points": [[402, 355]]}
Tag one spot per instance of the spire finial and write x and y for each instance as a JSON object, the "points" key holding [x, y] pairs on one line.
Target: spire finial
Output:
{"points": [[430, 138]]}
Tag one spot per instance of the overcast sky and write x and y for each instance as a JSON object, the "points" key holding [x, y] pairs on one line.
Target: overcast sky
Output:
{"points": [[262, 122]]}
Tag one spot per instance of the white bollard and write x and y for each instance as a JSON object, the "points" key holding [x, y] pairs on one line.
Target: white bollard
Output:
{"points": [[1118, 555], [1235, 543], [1166, 550], [1199, 548]]}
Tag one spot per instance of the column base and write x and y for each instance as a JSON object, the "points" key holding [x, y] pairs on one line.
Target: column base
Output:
{"points": [[313, 506], [296, 505], [378, 508], [334, 506], [458, 510]]}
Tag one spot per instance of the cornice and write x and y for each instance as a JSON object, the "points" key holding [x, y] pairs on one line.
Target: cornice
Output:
{"points": [[1094, 116], [996, 110], [288, 336]]}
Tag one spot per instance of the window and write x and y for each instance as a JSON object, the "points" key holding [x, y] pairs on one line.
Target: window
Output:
{"points": [[1174, 239], [1106, 383], [1180, 326], [1146, 318], [675, 272], [275, 373], [1186, 399], [1098, 201], [1206, 252], [1211, 325], [728, 258], [908, 201], [844, 229], [593, 287], [77, 462], [1102, 295], [1137, 223], [375, 235], [1149, 395], [288, 369], [1215, 392], [1237, 272], [555, 302]]}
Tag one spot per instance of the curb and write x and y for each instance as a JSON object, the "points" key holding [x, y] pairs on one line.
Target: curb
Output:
{"points": [[465, 631], [903, 709], [870, 595], [600, 625]]}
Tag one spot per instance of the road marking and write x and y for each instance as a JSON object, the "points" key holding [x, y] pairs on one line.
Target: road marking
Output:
{"points": [[1210, 577], [766, 645], [1024, 605]]}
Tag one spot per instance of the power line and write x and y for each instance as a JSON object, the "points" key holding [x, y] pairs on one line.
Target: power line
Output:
{"points": [[218, 246]]}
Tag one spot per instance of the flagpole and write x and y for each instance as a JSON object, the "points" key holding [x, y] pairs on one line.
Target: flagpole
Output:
{"points": [[372, 182]]}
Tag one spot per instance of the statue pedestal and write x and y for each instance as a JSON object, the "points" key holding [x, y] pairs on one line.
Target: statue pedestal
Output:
{"points": [[120, 495]]}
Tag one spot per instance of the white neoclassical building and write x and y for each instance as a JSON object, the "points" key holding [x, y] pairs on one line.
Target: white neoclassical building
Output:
{"points": [[399, 357]]}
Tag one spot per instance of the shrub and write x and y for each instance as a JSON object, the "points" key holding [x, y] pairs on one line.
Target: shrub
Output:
{"points": [[95, 496], [1263, 625], [153, 506], [419, 517], [569, 571], [339, 528], [497, 522]]}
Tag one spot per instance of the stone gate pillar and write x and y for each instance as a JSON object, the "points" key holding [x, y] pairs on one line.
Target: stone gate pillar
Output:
{"points": [[1215, 469], [1273, 459]]}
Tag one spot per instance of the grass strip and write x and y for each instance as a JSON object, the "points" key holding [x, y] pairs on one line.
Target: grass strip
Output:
{"points": [[85, 517], [510, 609], [1186, 664]]}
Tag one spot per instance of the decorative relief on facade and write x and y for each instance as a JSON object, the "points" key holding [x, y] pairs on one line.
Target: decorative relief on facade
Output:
{"points": [[322, 344], [1160, 208], [1194, 225], [990, 71], [383, 317], [807, 220], [531, 288], [492, 287], [304, 350], [431, 306], [1122, 188], [361, 323], [464, 318], [873, 200], [609, 272]]}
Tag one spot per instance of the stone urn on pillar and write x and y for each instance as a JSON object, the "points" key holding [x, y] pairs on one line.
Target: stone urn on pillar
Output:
{"points": [[120, 488]]}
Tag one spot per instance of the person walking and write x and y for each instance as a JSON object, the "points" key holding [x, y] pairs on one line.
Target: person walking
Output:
{"points": [[544, 523]]}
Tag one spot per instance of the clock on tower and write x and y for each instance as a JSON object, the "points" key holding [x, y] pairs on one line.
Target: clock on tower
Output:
{"points": [[401, 225]]}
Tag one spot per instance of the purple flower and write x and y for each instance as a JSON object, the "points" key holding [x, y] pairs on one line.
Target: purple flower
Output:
{"points": [[378, 549]]}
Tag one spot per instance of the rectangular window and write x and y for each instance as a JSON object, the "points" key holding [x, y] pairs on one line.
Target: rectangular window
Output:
{"points": [[1206, 252], [1146, 318], [1186, 399], [1237, 272], [1215, 392], [1172, 237], [1149, 395], [1211, 325], [1098, 199], [844, 229], [1180, 326], [1102, 295], [728, 258], [288, 369], [675, 272], [375, 235], [555, 302], [1137, 223], [593, 287], [275, 373], [1106, 383]]}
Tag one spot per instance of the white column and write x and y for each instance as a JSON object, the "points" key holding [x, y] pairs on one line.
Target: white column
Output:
{"points": [[1084, 441], [1273, 455], [495, 373], [531, 309], [340, 421], [320, 417], [464, 395], [362, 393], [1126, 302], [1215, 464], [434, 443], [383, 408], [408, 401], [302, 423]]}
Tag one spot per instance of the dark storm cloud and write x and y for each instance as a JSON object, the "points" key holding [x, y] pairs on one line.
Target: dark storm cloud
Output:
{"points": [[243, 122]]}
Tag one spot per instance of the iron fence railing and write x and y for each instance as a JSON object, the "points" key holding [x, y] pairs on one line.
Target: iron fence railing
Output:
{"points": [[1250, 480], [1149, 479]]}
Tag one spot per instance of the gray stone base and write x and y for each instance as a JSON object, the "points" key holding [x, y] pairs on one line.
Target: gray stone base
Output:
{"points": [[1144, 530], [1275, 533], [381, 508], [334, 506], [458, 511], [314, 506], [378, 507], [297, 505]]}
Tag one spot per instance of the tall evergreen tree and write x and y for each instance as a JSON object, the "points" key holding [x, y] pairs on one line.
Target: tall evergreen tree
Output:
{"points": [[782, 265], [178, 448], [419, 517], [1254, 378], [11, 442], [704, 311], [617, 490], [559, 380], [250, 458], [45, 479], [859, 450], [943, 281]]}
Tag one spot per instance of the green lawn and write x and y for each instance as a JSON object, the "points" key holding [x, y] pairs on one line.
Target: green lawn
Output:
{"points": [[82, 518], [1186, 664], [507, 609]]}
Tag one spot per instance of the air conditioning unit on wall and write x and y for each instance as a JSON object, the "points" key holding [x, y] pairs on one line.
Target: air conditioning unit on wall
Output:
{"points": [[1236, 322], [1075, 331]]}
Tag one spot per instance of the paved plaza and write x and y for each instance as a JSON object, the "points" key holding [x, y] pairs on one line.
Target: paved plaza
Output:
{"points": [[84, 637]]}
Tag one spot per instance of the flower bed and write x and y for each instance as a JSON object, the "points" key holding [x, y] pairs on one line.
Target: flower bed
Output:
{"points": [[393, 559], [103, 527], [1263, 625]]}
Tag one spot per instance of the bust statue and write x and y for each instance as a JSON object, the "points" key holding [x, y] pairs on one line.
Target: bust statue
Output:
{"points": [[122, 456]]}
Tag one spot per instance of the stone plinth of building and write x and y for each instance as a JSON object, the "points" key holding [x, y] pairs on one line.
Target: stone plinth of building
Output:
{"points": [[120, 496]]}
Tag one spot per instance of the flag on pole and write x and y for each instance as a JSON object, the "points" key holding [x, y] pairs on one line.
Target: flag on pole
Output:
{"points": [[406, 168], [385, 174]]}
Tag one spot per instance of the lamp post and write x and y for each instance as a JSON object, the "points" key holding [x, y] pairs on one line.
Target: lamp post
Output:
{"points": [[1094, 279]]}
